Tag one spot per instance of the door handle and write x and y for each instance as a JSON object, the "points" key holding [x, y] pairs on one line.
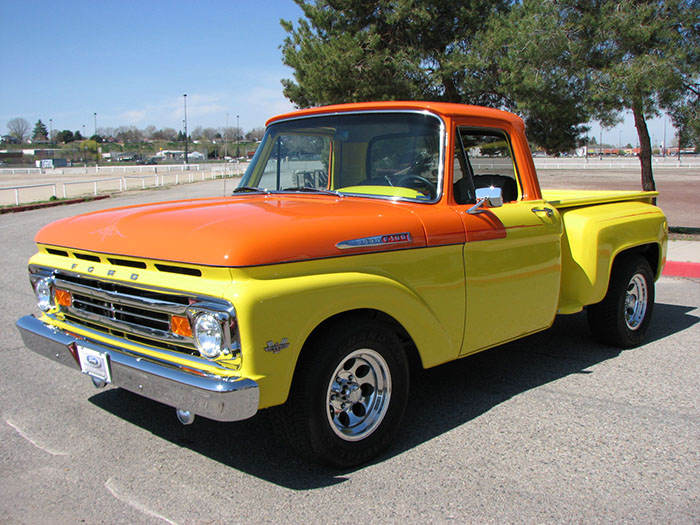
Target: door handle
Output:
{"points": [[548, 211]]}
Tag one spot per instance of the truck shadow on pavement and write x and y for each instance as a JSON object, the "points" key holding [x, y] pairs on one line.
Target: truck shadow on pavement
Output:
{"points": [[441, 399]]}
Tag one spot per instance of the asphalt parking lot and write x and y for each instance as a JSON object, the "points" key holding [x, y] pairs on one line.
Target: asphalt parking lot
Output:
{"points": [[549, 429]]}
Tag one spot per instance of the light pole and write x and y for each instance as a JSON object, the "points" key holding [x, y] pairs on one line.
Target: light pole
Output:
{"points": [[238, 137], [51, 135], [83, 146], [185, 99], [664, 148], [226, 139], [97, 149]]}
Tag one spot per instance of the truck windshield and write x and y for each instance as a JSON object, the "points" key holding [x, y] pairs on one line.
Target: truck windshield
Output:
{"points": [[387, 155]]}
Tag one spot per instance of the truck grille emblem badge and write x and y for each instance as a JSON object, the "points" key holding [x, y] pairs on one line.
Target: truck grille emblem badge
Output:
{"points": [[276, 348]]}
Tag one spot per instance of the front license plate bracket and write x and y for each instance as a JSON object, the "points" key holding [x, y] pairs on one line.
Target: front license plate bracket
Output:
{"points": [[95, 363]]}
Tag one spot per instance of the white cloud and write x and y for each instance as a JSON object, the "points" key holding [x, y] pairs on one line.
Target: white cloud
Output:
{"points": [[254, 98], [132, 118]]}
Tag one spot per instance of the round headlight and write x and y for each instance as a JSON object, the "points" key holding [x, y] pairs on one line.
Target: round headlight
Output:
{"points": [[44, 295], [208, 335]]}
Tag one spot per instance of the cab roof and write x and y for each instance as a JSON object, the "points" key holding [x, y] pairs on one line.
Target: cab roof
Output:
{"points": [[444, 109]]}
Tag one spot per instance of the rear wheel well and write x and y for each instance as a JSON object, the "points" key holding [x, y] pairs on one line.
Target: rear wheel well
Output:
{"points": [[649, 251]]}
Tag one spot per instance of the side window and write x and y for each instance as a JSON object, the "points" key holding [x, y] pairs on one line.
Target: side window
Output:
{"points": [[297, 161], [483, 158]]}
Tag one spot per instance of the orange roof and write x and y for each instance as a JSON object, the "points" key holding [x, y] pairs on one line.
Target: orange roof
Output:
{"points": [[441, 108]]}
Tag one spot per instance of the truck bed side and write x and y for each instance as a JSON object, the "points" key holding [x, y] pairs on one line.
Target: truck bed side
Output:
{"points": [[598, 226]]}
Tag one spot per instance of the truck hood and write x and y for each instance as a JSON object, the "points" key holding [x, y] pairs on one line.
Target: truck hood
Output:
{"points": [[242, 230]]}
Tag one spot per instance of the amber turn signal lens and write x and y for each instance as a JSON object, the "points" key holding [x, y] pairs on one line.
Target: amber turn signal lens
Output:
{"points": [[180, 325], [63, 298]]}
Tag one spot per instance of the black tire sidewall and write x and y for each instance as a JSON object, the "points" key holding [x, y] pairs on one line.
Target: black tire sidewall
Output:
{"points": [[332, 350], [637, 266], [607, 318]]}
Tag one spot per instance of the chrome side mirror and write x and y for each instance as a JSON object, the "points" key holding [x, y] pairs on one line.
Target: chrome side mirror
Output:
{"points": [[492, 196]]}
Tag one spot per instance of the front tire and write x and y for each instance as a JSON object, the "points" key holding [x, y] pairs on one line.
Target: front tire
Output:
{"points": [[623, 316], [348, 395]]}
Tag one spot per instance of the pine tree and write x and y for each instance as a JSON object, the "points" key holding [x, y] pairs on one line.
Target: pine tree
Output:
{"points": [[557, 63], [601, 58], [40, 132]]}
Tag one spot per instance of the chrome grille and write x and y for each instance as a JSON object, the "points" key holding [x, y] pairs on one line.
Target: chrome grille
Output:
{"points": [[132, 312], [121, 313]]}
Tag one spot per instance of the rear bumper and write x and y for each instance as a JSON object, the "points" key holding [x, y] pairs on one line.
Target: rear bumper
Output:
{"points": [[213, 397]]}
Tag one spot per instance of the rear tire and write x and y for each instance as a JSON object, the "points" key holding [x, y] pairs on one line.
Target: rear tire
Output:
{"points": [[348, 395], [623, 316]]}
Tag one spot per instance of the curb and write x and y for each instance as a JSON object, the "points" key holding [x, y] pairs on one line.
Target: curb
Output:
{"points": [[51, 204], [682, 269]]}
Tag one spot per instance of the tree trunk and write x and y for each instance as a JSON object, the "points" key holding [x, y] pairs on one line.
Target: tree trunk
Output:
{"points": [[645, 148], [451, 94]]}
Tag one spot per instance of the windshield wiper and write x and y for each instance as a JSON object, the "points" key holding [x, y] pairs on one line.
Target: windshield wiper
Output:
{"points": [[314, 190], [250, 189]]}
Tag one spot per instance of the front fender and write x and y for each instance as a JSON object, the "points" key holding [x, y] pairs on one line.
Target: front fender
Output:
{"points": [[286, 303]]}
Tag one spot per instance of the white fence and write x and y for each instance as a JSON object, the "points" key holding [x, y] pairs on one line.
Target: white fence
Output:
{"points": [[158, 176], [595, 163], [111, 169], [17, 188], [21, 171]]}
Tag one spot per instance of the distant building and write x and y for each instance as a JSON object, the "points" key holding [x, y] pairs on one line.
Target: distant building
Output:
{"points": [[178, 155], [170, 154], [52, 163], [11, 155], [125, 157]]}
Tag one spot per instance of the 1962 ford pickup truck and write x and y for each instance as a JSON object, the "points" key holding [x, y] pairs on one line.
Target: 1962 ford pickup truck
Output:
{"points": [[361, 238]]}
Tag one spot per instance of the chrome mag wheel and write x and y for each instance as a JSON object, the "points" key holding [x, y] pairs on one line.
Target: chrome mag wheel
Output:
{"points": [[349, 393], [358, 394], [636, 301], [622, 317]]}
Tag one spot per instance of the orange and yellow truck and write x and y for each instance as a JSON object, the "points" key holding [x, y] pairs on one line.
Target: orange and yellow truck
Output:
{"points": [[363, 238]]}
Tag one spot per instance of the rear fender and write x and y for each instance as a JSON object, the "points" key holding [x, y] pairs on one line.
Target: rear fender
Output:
{"points": [[595, 236]]}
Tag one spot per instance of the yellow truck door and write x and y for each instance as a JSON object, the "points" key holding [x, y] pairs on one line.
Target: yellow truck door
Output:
{"points": [[512, 255]]}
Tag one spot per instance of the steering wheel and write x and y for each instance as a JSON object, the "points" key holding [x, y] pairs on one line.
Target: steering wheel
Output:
{"points": [[416, 182]]}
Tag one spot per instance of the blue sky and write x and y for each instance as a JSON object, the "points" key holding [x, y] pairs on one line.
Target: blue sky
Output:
{"points": [[130, 62]]}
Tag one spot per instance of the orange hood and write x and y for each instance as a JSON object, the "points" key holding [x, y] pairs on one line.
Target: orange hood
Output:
{"points": [[242, 230]]}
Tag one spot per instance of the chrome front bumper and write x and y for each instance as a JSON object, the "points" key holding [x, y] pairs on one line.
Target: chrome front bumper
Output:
{"points": [[213, 397]]}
